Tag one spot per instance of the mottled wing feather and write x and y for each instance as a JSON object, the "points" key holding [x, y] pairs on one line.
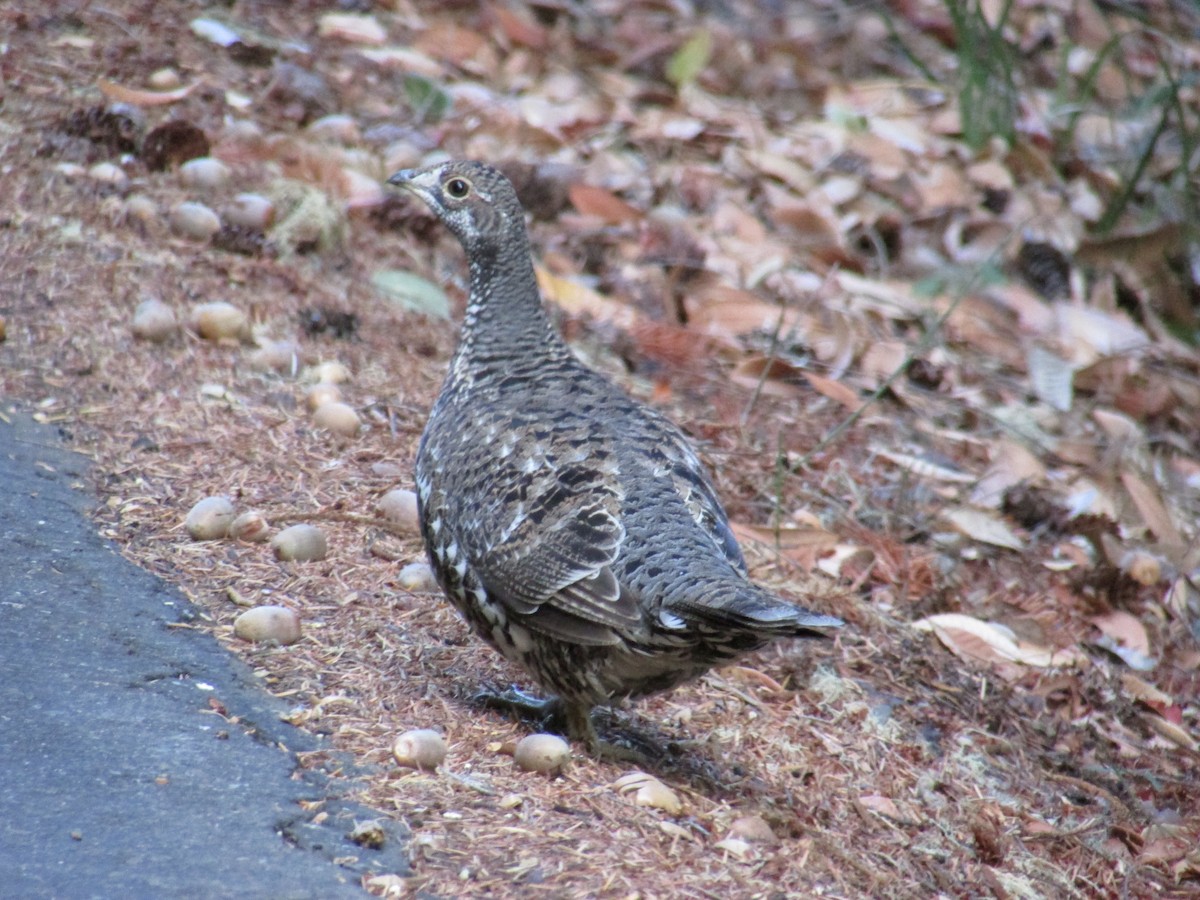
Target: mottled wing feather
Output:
{"points": [[553, 570], [694, 488]]}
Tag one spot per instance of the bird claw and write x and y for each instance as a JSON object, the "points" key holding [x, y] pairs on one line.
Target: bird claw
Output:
{"points": [[553, 714], [546, 712]]}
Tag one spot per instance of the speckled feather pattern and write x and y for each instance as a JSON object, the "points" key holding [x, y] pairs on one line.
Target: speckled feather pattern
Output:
{"points": [[572, 526]]}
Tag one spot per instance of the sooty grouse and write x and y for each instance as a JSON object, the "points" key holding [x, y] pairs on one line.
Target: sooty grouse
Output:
{"points": [[571, 525]]}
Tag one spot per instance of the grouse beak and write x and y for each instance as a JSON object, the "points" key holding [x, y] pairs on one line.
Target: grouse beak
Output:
{"points": [[421, 183], [403, 178]]}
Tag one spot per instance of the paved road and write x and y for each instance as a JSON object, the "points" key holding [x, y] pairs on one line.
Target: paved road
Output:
{"points": [[116, 780]]}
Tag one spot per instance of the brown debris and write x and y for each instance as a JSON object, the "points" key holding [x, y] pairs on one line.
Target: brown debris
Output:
{"points": [[803, 255]]}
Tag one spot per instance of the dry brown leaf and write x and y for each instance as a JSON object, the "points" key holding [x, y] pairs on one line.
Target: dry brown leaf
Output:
{"points": [[604, 205], [925, 468], [1092, 333], [456, 45], [754, 677], [782, 168], [1051, 378], [881, 360], [1125, 629], [991, 174], [139, 97], [984, 527], [974, 639], [885, 160], [404, 59], [518, 26], [1172, 732], [943, 187], [1152, 510], [356, 28], [579, 299], [771, 375], [880, 805], [1012, 464], [1144, 691], [835, 390], [727, 313], [804, 546]]}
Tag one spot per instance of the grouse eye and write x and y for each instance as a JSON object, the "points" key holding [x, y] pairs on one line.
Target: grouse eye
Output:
{"points": [[457, 188]]}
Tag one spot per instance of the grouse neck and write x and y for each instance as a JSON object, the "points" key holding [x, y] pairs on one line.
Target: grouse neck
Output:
{"points": [[505, 315]]}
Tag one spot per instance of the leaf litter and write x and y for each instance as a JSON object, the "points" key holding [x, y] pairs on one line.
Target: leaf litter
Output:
{"points": [[934, 392]]}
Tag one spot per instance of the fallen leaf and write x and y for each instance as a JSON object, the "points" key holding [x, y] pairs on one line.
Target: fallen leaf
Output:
{"points": [[923, 467], [984, 527], [1124, 627], [974, 639], [686, 63], [1151, 509], [880, 805], [835, 390], [412, 292], [804, 546], [769, 375], [604, 205], [357, 28], [518, 25], [1012, 464], [579, 299], [1051, 378], [138, 97]]}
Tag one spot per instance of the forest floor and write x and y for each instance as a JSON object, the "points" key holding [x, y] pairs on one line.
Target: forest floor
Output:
{"points": [[921, 285]]}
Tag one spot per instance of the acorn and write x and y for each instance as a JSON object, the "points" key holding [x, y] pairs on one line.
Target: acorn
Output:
{"points": [[421, 748], [399, 507], [337, 417], [261, 624], [300, 543], [154, 321], [544, 753], [209, 519]]}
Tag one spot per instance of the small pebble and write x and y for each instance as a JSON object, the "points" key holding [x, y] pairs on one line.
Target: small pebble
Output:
{"points": [[399, 507], [368, 834], [154, 321], [300, 543], [204, 173], [251, 211], [649, 791], [209, 519], [417, 577], [219, 320], [331, 372], [268, 623], [251, 527], [195, 220], [142, 209], [164, 79], [420, 749], [109, 173], [321, 393], [545, 753], [753, 829], [336, 127], [274, 356], [337, 417], [657, 795]]}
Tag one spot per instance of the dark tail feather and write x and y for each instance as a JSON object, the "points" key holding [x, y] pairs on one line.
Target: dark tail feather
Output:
{"points": [[750, 608]]}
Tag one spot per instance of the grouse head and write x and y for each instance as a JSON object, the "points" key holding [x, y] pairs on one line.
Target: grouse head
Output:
{"points": [[476, 202]]}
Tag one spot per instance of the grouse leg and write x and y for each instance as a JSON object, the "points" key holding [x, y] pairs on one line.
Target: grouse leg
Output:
{"points": [[555, 714]]}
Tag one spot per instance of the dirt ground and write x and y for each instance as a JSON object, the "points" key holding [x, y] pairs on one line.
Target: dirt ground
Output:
{"points": [[948, 387]]}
